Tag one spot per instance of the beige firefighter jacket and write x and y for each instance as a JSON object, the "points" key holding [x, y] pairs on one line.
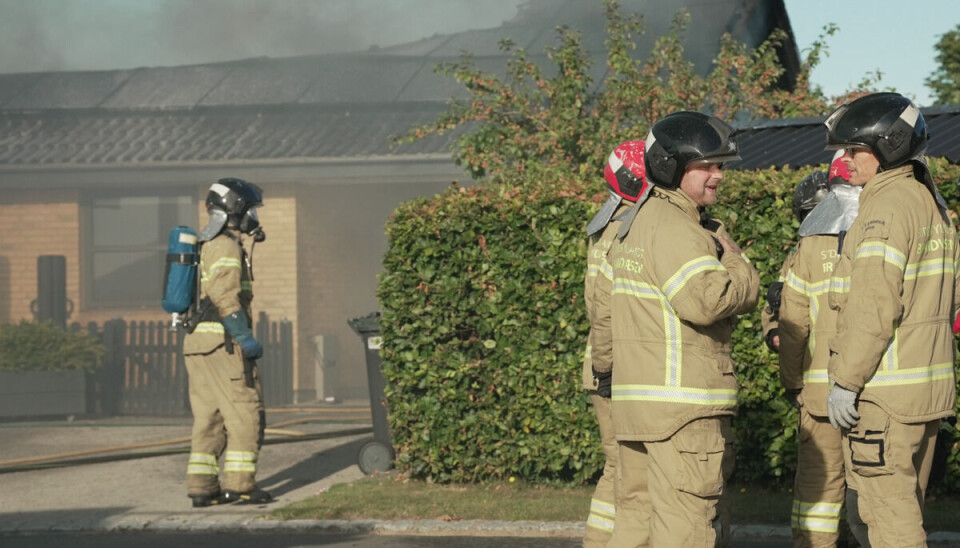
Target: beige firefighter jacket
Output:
{"points": [[807, 322], [895, 289], [225, 279], [597, 249], [664, 309]]}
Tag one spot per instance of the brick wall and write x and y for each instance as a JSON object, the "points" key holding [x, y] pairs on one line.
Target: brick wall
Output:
{"points": [[34, 223]]}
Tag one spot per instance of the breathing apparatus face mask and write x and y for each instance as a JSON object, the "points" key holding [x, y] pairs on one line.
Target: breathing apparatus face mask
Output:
{"points": [[250, 224]]}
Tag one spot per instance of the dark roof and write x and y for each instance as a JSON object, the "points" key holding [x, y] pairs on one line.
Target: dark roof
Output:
{"points": [[321, 106], [801, 142]]}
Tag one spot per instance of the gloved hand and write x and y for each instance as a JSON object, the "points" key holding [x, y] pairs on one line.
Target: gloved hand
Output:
{"points": [[238, 327], [842, 407], [604, 383], [773, 339], [792, 394], [251, 348]]}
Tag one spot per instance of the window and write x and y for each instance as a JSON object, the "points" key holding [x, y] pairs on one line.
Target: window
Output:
{"points": [[127, 237]]}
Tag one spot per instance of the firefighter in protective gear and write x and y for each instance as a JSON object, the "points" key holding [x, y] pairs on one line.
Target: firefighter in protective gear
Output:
{"points": [[806, 196], [891, 361], [806, 325], [664, 308], [225, 392], [624, 174]]}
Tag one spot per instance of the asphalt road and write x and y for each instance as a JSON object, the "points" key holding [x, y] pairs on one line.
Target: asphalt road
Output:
{"points": [[303, 540]]}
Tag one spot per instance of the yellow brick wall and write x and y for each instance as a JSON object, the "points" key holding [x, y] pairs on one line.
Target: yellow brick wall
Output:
{"points": [[34, 223]]}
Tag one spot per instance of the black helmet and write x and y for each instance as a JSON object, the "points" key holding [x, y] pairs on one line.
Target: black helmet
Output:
{"points": [[888, 124], [684, 138], [809, 192], [238, 199]]}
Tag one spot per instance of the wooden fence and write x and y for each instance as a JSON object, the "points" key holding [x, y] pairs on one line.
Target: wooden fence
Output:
{"points": [[143, 372]]}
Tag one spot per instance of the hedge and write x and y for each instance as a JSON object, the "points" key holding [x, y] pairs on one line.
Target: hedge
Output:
{"points": [[28, 346], [484, 329]]}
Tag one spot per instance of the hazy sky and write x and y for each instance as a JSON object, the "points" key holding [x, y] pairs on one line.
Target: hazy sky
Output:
{"points": [[42, 35]]}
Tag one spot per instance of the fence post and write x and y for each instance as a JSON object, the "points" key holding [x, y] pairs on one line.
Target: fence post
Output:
{"points": [[111, 374]]}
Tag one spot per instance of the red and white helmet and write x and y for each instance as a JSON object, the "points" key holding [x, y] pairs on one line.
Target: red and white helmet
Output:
{"points": [[839, 172], [625, 172], [626, 176]]}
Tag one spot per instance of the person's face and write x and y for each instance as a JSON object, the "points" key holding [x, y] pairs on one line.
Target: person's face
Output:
{"points": [[700, 183], [862, 164]]}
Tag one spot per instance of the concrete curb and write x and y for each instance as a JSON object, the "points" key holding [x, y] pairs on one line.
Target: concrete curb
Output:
{"points": [[175, 523]]}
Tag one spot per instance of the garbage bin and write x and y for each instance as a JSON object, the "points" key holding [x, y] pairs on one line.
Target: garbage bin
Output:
{"points": [[376, 455]]}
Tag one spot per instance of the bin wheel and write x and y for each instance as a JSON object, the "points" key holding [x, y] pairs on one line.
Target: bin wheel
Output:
{"points": [[375, 457]]}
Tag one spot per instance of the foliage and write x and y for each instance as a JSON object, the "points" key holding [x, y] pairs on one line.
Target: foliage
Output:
{"points": [[30, 346], [554, 125], [945, 80], [484, 329]]}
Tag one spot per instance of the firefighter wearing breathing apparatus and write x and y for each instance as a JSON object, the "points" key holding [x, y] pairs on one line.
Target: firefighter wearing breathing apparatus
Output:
{"points": [[894, 286], [826, 206], [624, 174], [220, 353], [665, 302]]}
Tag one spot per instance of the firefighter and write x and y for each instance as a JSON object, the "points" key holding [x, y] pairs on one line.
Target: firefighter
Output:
{"points": [[220, 354], [826, 206], [891, 361], [624, 174], [665, 304]]}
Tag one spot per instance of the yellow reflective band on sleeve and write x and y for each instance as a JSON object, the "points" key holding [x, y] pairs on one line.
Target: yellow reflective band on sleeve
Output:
{"points": [[816, 376], [202, 464], [914, 375], [687, 271], [887, 252], [209, 327], [588, 352], [814, 314], [593, 270], [670, 394], [223, 262], [840, 284], [602, 515], [933, 267], [804, 287], [823, 517], [671, 325]]}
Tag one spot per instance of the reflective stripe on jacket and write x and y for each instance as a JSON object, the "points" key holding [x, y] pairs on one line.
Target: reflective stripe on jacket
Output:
{"points": [[807, 322], [225, 279], [895, 290], [664, 310], [596, 252]]}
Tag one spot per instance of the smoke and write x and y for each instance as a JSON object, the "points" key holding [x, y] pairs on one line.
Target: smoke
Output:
{"points": [[49, 35]]}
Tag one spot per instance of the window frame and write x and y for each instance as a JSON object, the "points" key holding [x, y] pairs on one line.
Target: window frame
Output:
{"points": [[88, 248]]}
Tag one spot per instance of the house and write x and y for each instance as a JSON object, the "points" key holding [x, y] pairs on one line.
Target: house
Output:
{"points": [[98, 166]]}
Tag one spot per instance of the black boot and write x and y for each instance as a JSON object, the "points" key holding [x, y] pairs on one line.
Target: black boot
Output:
{"points": [[212, 499], [256, 496]]}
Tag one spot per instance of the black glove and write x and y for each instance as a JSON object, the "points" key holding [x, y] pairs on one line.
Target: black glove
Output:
{"points": [[604, 383], [792, 395], [769, 339], [773, 296]]}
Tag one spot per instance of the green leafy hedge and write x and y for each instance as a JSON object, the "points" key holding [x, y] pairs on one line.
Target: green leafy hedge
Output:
{"points": [[27, 346], [484, 329]]}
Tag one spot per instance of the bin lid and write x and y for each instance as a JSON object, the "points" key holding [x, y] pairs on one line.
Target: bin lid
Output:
{"points": [[366, 324]]}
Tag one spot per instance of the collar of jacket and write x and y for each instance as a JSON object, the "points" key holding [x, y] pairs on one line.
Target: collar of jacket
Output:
{"points": [[884, 179], [680, 199]]}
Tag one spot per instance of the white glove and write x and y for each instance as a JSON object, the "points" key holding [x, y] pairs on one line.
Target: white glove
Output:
{"points": [[842, 407]]}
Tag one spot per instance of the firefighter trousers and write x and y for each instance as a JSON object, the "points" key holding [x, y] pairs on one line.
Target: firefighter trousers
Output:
{"points": [[673, 488], [603, 505], [228, 415], [888, 463], [819, 487]]}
